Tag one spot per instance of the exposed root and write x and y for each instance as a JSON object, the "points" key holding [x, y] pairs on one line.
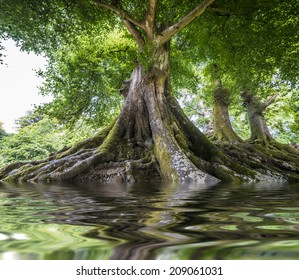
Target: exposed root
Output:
{"points": [[206, 155], [12, 168], [4, 171], [89, 143], [279, 157], [32, 172], [257, 158], [128, 172]]}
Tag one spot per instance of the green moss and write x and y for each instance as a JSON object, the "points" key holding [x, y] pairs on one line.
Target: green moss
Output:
{"points": [[111, 141], [181, 140], [166, 168]]}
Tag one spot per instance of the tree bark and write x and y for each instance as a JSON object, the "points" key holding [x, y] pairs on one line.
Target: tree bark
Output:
{"points": [[223, 130], [255, 110]]}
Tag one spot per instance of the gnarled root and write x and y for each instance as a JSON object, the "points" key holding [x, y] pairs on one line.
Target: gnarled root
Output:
{"points": [[114, 160], [259, 158]]}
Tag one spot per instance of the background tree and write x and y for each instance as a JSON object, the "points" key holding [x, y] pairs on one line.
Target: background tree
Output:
{"points": [[38, 137], [254, 45], [2, 130], [257, 121], [222, 127]]}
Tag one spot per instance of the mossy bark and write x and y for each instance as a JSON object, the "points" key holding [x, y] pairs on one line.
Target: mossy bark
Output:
{"points": [[255, 110], [222, 127]]}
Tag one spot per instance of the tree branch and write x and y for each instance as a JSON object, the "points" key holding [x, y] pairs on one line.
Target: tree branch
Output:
{"points": [[268, 102], [122, 13], [150, 17], [134, 32], [221, 11], [177, 27]]}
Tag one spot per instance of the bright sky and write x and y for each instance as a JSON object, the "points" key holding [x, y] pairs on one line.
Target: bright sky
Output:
{"points": [[18, 84]]}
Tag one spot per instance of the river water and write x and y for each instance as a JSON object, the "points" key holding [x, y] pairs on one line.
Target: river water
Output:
{"points": [[256, 221]]}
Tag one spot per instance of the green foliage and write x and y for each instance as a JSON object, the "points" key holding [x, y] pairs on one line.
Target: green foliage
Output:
{"points": [[84, 78], [282, 116], [30, 117], [2, 130], [31, 143], [254, 43], [251, 42], [42, 26], [37, 140]]}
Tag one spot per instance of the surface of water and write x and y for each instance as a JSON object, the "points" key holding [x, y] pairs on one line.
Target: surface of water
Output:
{"points": [[258, 221]]}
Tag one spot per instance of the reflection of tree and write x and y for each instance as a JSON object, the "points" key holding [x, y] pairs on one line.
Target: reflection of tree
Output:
{"points": [[143, 218], [148, 221], [116, 222]]}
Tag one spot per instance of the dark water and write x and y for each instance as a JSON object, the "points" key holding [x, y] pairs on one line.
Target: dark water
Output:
{"points": [[258, 221]]}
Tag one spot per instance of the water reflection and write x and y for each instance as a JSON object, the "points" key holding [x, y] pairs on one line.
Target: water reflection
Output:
{"points": [[256, 221]]}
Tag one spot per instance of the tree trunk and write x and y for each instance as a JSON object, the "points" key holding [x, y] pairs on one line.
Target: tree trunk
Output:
{"points": [[258, 126], [223, 130], [147, 118], [280, 155]]}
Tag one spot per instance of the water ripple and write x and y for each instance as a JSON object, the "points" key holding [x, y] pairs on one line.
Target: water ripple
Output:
{"points": [[149, 222]]}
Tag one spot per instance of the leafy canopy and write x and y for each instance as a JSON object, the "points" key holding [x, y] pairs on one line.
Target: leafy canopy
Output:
{"points": [[84, 78], [90, 50]]}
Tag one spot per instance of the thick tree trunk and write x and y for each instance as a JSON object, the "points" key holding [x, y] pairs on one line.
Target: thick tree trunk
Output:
{"points": [[223, 130], [147, 118]]}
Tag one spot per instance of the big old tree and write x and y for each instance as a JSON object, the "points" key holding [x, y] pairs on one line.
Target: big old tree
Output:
{"points": [[151, 137]]}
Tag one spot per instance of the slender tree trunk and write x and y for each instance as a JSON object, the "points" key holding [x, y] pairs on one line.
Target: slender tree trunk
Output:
{"points": [[223, 130], [255, 110]]}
